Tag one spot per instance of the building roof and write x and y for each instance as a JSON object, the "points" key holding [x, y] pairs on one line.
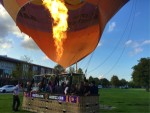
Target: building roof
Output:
{"points": [[6, 58]]}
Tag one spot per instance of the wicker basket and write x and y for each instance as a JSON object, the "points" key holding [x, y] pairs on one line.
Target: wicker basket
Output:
{"points": [[84, 104]]}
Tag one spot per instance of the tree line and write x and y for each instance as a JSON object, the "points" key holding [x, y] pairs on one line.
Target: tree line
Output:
{"points": [[140, 77]]}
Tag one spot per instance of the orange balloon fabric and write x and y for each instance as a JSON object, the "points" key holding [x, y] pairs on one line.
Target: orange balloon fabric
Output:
{"points": [[87, 20]]}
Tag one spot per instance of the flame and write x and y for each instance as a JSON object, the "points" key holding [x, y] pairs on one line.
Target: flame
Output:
{"points": [[59, 13]]}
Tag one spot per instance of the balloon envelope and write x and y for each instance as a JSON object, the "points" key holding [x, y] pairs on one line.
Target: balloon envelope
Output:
{"points": [[86, 22]]}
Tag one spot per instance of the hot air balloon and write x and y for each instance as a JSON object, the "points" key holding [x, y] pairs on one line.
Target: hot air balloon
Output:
{"points": [[86, 22]]}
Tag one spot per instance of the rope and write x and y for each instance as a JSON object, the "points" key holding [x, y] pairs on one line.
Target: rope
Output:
{"points": [[126, 40], [114, 49]]}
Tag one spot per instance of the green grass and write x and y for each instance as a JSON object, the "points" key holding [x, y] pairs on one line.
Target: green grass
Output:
{"points": [[122, 101], [125, 100], [6, 104]]}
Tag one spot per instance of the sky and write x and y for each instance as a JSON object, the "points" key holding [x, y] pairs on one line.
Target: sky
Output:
{"points": [[125, 40]]}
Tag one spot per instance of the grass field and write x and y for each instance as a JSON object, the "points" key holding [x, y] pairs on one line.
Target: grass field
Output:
{"points": [[125, 100], [112, 100], [6, 104]]}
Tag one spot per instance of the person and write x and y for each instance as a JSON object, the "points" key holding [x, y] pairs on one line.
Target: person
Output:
{"points": [[16, 100], [86, 88], [73, 89], [93, 88], [80, 89], [49, 87], [62, 88], [55, 84], [41, 86], [67, 89], [29, 85]]}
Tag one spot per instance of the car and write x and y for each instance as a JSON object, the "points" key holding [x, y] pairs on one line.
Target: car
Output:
{"points": [[100, 86], [7, 88], [35, 89]]}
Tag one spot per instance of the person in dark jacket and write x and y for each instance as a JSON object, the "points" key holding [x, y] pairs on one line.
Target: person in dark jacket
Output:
{"points": [[29, 85], [86, 88], [80, 89], [93, 89]]}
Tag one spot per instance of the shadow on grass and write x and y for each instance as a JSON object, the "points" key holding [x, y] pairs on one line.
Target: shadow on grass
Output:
{"points": [[137, 104], [21, 111], [119, 102]]}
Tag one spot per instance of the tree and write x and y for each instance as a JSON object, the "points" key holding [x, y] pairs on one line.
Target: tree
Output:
{"points": [[17, 72], [71, 70], [96, 81], [123, 82], [80, 71], [141, 73], [26, 59], [29, 73], [91, 79], [104, 82], [131, 84], [59, 69], [115, 81]]}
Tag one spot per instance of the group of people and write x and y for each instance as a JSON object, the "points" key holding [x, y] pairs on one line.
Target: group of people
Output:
{"points": [[83, 89], [67, 87]]}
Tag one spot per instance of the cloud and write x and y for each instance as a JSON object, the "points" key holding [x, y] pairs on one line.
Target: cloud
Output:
{"points": [[135, 51], [99, 44], [101, 77], [28, 43], [8, 26], [3, 52], [45, 58], [5, 45], [138, 50], [134, 44], [146, 42], [128, 42], [137, 14], [136, 47], [111, 27]]}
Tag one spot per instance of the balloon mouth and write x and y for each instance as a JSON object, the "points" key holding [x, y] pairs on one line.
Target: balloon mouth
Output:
{"points": [[74, 5], [71, 5], [74, 2]]}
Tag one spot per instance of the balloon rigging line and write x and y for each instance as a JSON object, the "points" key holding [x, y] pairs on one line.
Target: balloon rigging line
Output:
{"points": [[89, 60], [93, 51], [84, 67], [73, 58], [126, 39], [114, 49], [81, 62]]}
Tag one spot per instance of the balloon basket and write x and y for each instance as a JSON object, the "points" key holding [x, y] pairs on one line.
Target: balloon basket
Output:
{"points": [[46, 103]]}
